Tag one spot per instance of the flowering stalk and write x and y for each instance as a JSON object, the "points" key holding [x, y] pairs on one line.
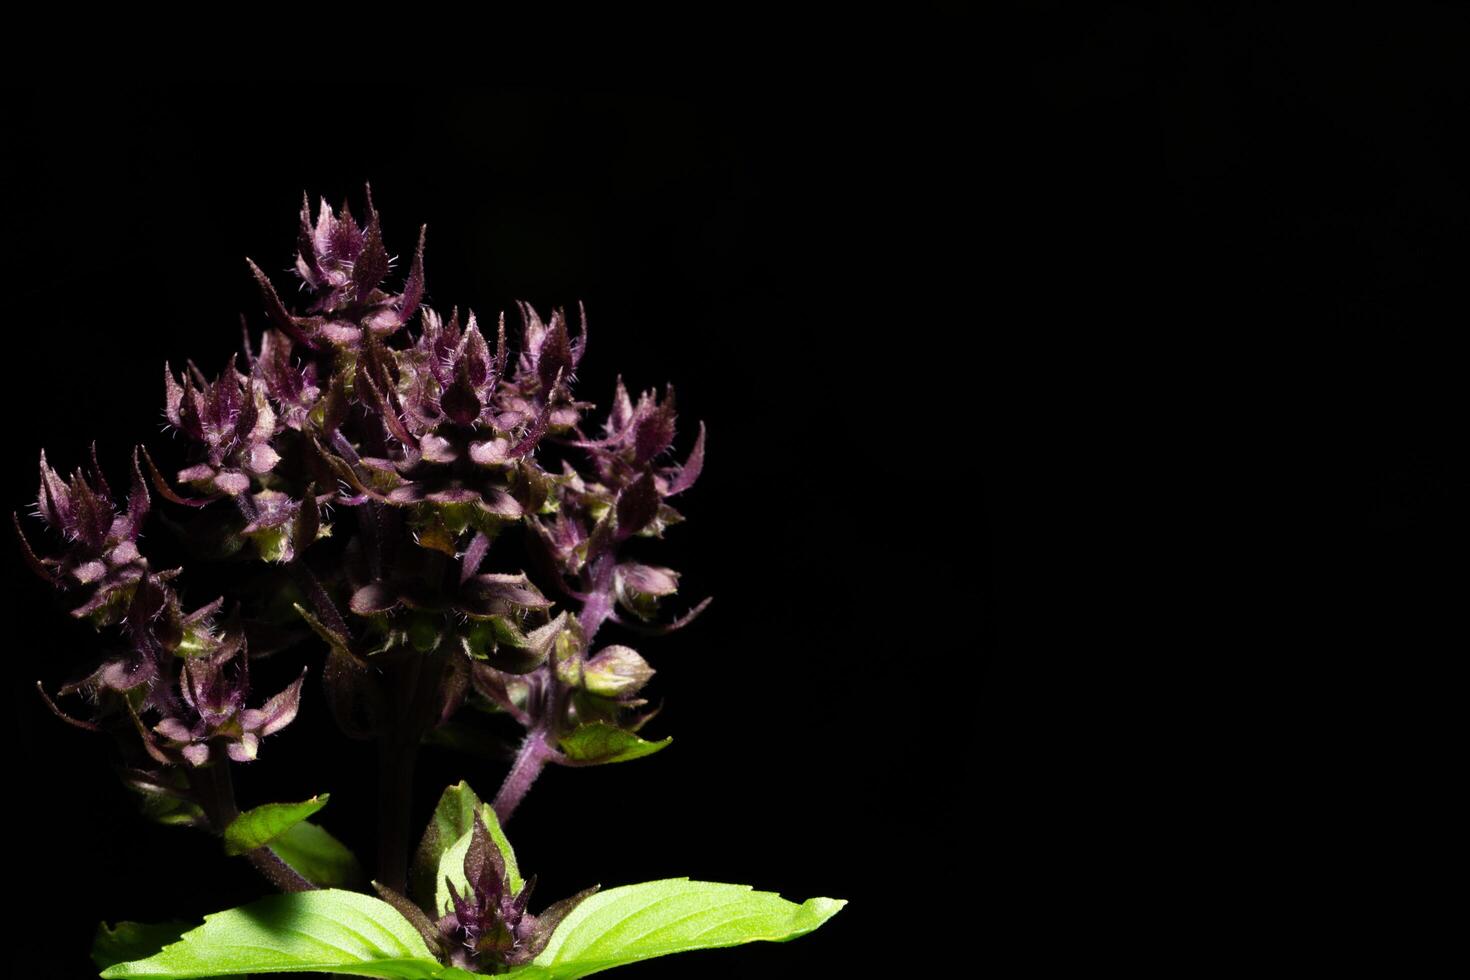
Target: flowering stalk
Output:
{"points": [[369, 454], [375, 478]]}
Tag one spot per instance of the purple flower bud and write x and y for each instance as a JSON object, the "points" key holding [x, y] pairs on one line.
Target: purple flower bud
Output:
{"points": [[342, 266], [489, 929], [639, 587], [211, 721], [231, 422], [101, 564], [294, 389]]}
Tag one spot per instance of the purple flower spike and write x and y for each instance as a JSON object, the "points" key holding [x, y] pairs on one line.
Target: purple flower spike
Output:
{"points": [[102, 562]]}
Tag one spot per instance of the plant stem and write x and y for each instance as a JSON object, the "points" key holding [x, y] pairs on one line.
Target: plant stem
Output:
{"points": [[395, 788], [599, 602], [412, 685], [372, 533], [216, 791], [536, 750], [530, 760], [278, 872]]}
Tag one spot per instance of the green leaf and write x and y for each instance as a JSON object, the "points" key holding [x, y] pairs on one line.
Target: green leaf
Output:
{"points": [[446, 841], [262, 825], [453, 816], [318, 857], [328, 931], [133, 940], [600, 743], [638, 922]]}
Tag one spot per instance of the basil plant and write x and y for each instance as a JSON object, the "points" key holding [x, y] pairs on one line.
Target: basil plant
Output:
{"points": [[356, 466]]}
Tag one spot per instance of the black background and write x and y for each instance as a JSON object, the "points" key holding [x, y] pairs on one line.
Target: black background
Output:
{"points": [[747, 247], [1142, 327], [1240, 236]]}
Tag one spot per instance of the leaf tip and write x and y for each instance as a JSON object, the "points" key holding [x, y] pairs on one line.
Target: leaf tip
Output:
{"points": [[824, 908]]}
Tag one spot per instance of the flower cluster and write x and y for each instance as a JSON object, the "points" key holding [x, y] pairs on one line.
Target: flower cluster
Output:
{"points": [[101, 564], [177, 684], [372, 454], [486, 926], [490, 928], [416, 499]]}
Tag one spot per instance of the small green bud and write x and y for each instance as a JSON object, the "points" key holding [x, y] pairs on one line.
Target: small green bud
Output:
{"points": [[566, 658], [615, 671], [195, 643], [273, 543]]}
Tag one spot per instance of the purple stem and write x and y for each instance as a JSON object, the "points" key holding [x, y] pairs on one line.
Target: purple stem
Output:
{"points": [[598, 604], [536, 750], [278, 872], [372, 534], [530, 760]]}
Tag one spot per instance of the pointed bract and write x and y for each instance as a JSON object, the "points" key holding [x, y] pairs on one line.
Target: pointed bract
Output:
{"points": [[489, 929]]}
